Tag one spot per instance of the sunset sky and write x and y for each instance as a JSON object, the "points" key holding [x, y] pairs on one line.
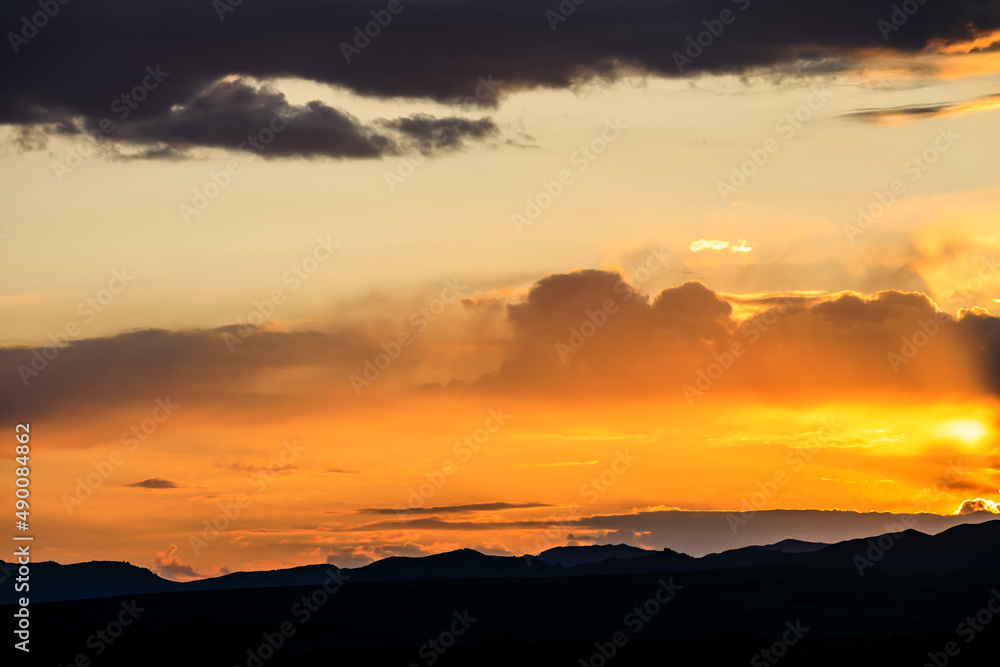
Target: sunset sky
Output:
{"points": [[536, 277]]}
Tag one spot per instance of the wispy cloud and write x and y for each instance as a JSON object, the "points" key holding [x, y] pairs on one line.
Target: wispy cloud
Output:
{"points": [[558, 464], [154, 483], [451, 509], [906, 114]]}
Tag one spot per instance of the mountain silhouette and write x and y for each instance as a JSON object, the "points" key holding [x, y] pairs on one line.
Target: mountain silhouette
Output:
{"points": [[582, 555], [962, 549]]}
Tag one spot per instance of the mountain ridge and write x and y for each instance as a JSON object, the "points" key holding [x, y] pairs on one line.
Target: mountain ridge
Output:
{"points": [[963, 548]]}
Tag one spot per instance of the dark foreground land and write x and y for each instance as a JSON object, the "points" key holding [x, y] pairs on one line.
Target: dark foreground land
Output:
{"points": [[722, 617]]}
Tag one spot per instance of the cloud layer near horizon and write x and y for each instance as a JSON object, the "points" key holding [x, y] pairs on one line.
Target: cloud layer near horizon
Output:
{"points": [[587, 333]]}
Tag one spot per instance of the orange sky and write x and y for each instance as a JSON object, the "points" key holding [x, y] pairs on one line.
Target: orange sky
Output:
{"points": [[316, 349], [669, 403]]}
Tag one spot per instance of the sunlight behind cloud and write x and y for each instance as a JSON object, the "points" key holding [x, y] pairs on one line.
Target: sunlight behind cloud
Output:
{"points": [[968, 431]]}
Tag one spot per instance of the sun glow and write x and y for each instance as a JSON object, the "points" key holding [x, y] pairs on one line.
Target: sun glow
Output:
{"points": [[968, 431]]}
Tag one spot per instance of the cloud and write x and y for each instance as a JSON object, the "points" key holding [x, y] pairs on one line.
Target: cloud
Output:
{"points": [[978, 505], [436, 523], [705, 244], [154, 483], [169, 565], [904, 114], [239, 115], [95, 376], [348, 558], [437, 134], [94, 53], [714, 244], [451, 509], [835, 345], [582, 334], [359, 555], [558, 464], [250, 468]]}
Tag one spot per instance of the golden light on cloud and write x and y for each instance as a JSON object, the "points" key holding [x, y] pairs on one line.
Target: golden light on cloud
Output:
{"points": [[715, 244], [980, 43], [978, 505]]}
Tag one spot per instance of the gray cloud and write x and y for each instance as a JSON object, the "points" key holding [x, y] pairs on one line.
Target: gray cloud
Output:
{"points": [[154, 483], [239, 115], [915, 112], [451, 509]]}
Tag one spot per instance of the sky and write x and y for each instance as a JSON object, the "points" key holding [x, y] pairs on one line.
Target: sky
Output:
{"points": [[497, 275]]}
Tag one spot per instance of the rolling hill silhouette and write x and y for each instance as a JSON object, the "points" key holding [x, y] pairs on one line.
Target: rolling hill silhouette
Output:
{"points": [[962, 549]]}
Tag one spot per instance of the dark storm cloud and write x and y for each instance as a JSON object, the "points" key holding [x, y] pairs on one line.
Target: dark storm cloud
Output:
{"points": [[77, 62], [226, 114], [240, 115]]}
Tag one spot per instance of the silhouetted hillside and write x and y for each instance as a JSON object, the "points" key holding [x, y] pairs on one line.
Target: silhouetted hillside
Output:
{"points": [[582, 555], [962, 549]]}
